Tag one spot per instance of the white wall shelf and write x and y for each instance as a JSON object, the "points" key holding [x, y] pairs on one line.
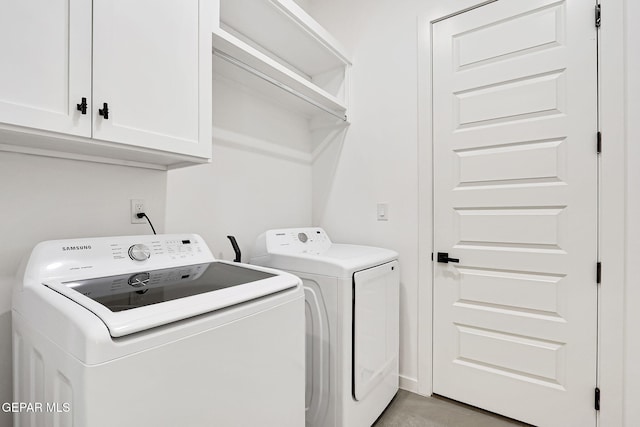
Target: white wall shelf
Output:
{"points": [[277, 49]]}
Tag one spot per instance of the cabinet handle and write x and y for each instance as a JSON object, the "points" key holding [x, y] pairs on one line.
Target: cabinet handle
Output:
{"points": [[104, 111], [82, 107]]}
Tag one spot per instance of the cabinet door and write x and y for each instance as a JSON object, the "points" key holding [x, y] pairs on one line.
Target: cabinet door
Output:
{"points": [[45, 71], [150, 66]]}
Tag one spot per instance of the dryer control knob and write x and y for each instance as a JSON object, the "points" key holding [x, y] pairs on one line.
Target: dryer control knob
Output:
{"points": [[139, 252]]}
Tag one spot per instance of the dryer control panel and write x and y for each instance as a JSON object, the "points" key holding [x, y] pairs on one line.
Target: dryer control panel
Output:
{"points": [[308, 240]]}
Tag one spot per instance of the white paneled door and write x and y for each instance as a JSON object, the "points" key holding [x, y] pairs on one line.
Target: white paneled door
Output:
{"points": [[515, 196]]}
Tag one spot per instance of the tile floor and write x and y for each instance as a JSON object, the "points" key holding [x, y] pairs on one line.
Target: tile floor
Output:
{"points": [[411, 410]]}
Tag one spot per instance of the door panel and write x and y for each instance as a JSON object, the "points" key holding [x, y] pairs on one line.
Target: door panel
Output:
{"points": [[515, 196], [147, 71], [46, 64], [375, 328]]}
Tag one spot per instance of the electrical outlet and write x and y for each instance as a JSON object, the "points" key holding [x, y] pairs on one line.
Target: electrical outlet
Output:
{"points": [[137, 206]]}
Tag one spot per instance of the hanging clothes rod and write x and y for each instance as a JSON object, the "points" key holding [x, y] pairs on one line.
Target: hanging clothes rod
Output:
{"points": [[274, 82]]}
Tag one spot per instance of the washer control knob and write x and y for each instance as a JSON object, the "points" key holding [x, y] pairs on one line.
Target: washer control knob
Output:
{"points": [[139, 252], [303, 237]]}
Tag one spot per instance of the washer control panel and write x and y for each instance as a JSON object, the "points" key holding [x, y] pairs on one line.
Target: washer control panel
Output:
{"points": [[311, 240], [159, 247], [109, 255]]}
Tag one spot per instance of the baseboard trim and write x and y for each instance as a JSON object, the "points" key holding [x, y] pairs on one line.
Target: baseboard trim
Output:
{"points": [[409, 384]]}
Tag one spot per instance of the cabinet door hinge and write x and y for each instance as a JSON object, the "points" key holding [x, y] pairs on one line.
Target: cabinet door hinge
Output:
{"points": [[599, 144], [598, 272], [597, 399], [598, 16]]}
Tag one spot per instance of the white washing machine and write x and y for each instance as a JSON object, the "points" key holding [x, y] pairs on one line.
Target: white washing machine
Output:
{"points": [[352, 322], [151, 331]]}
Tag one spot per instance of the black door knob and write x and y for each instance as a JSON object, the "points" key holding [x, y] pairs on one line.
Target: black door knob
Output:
{"points": [[444, 258]]}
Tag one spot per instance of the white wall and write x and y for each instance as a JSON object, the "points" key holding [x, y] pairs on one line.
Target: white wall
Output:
{"points": [[377, 161], [379, 158], [240, 193], [303, 4], [258, 178], [632, 297], [45, 198]]}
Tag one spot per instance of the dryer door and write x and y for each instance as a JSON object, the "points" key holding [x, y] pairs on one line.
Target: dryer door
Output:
{"points": [[375, 328]]}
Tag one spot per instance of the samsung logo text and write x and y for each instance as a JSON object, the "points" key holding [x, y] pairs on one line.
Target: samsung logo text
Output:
{"points": [[77, 248]]}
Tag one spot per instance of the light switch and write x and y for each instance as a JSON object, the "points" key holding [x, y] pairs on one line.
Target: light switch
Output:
{"points": [[383, 212]]}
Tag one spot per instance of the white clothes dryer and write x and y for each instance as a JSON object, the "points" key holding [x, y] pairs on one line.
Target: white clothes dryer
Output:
{"points": [[150, 331], [352, 322]]}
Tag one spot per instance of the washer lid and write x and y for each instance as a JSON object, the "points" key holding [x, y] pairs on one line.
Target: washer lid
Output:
{"points": [[338, 260], [134, 302]]}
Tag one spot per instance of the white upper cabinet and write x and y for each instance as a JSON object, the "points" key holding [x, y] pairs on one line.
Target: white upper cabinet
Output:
{"points": [[143, 67], [45, 49], [264, 44], [146, 70]]}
